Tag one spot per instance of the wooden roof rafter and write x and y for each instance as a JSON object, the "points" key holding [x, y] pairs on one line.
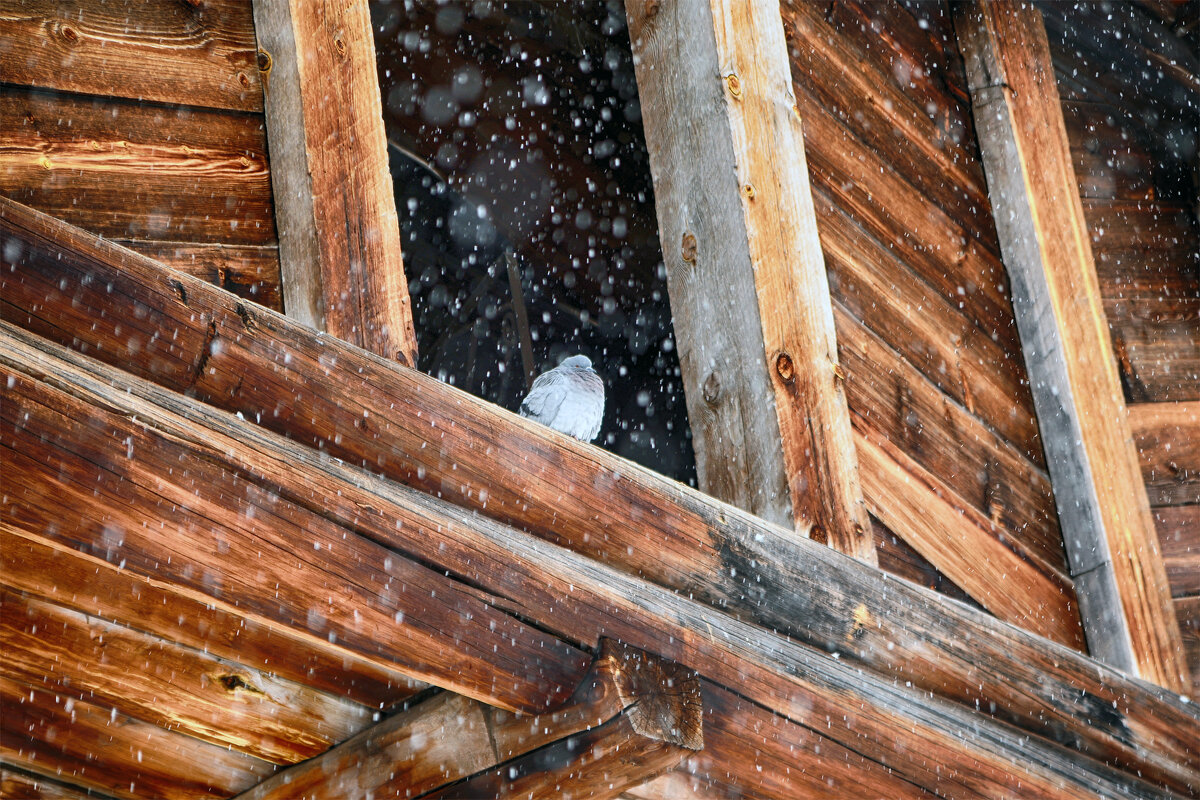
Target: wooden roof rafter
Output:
{"points": [[1109, 532], [818, 597]]}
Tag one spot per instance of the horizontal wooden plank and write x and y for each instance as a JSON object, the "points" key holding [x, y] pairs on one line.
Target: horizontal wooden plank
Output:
{"points": [[1188, 611], [930, 332], [533, 476], [894, 398], [27, 786], [91, 585], [947, 748], [96, 747], [1179, 535], [198, 55], [170, 685], [1167, 437], [249, 271], [131, 171], [1159, 362], [233, 538], [1135, 226]]}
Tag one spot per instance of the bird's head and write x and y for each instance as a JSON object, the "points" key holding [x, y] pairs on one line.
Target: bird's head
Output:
{"points": [[577, 362]]}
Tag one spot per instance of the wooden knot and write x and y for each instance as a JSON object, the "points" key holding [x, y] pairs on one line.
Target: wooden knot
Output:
{"points": [[68, 33], [839, 374], [712, 388], [243, 80], [785, 368], [264, 61], [748, 191], [339, 44], [651, 8], [734, 83], [688, 248]]}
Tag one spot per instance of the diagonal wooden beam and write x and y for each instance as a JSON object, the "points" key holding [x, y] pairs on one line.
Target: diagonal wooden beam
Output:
{"points": [[1124, 598], [749, 293], [339, 236], [94, 296], [563, 596], [643, 708]]}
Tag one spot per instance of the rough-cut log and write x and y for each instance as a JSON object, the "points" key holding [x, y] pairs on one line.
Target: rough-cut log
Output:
{"points": [[173, 686], [108, 301], [1107, 526], [181, 53], [91, 585], [96, 747], [449, 739], [339, 236], [945, 748], [1167, 436], [739, 236], [961, 543], [228, 539], [131, 171]]}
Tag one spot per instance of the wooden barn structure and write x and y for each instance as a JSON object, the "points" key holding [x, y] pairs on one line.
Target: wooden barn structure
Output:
{"points": [[926, 277]]}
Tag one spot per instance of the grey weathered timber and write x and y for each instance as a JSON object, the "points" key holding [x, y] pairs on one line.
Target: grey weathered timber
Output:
{"points": [[339, 236], [1124, 597], [923, 740], [88, 294], [749, 293]]}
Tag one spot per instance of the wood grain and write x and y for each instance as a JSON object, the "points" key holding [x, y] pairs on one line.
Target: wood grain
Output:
{"points": [[732, 94], [130, 171], [172, 686], [91, 585], [96, 747], [192, 54], [1179, 535], [945, 747], [386, 416], [1167, 437], [249, 271], [1104, 512], [27, 786], [339, 236]]}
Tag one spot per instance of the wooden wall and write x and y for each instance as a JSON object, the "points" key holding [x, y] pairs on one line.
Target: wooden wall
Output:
{"points": [[143, 122], [926, 335], [1139, 193]]}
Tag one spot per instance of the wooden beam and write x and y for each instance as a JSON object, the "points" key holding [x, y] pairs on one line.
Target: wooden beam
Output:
{"points": [[339, 236], [169, 684], [739, 236], [27, 786], [463, 748], [1107, 527], [95, 296], [945, 747]]}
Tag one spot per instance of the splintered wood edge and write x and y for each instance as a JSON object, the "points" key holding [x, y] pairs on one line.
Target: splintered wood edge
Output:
{"points": [[661, 698]]}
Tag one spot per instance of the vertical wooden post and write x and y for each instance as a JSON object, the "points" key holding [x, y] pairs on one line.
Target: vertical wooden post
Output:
{"points": [[339, 236], [1108, 530], [749, 292]]}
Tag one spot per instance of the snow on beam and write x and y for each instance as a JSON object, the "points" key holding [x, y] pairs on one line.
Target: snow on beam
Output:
{"points": [[339, 235], [1124, 598], [188, 336], [749, 293]]}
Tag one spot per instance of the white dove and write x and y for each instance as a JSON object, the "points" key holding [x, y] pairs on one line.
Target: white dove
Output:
{"points": [[568, 398]]}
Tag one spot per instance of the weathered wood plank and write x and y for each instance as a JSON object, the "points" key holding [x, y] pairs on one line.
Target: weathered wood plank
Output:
{"points": [[1179, 535], [27, 786], [948, 442], [962, 543], [234, 540], [339, 236], [91, 585], [1125, 599], [131, 171], [249, 271], [449, 739], [564, 491], [742, 239], [1167, 437], [96, 747], [196, 55], [175, 687]]}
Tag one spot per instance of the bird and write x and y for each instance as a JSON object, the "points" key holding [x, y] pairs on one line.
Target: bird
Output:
{"points": [[568, 398]]}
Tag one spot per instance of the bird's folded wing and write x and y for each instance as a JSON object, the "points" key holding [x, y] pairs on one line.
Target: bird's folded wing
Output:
{"points": [[546, 397]]}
